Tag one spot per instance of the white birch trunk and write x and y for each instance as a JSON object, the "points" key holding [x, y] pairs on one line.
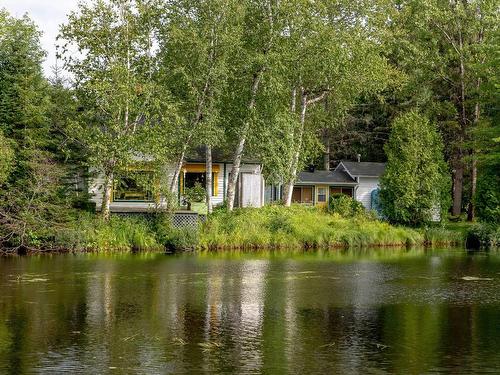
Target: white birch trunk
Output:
{"points": [[107, 196], [208, 179], [288, 186], [235, 170]]}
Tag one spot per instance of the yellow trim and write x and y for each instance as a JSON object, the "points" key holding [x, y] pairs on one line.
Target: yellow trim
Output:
{"points": [[200, 168], [215, 184], [318, 203]]}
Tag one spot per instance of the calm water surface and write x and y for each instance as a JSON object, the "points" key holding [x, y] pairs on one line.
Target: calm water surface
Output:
{"points": [[352, 312]]}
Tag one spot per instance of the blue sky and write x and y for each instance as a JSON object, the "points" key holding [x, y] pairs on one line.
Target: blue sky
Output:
{"points": [[48, 15]]}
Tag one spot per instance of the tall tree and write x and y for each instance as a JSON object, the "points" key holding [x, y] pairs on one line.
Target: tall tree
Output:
{"points": [[32, 202], [441, 45], [122, 109], [415, 184], [261, 29], [198, 40], [334, 54]]}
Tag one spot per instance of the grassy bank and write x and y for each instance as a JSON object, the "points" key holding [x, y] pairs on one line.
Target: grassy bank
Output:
{"points": [[308, 227], [270, 227]]}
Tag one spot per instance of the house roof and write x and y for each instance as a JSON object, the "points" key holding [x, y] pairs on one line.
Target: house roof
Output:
{"points": [[218, 156], [325, 177], [363, 169]]}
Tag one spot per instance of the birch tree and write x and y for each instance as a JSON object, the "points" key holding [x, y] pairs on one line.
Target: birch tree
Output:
{"points": [[197, 41], [262, 29], [334, 55], [108, 48]]}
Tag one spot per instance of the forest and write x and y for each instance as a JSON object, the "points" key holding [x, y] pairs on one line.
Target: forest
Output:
{"points": [[294, 83]]}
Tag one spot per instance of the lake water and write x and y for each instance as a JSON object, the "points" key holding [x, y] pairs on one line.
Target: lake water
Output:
{"points": [[338, 312]]}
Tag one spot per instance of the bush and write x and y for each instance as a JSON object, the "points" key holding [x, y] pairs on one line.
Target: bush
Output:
{"points": [[483, 236], [416, 181], [345, 206], [195, 194], [487, 197], [184, 239]]}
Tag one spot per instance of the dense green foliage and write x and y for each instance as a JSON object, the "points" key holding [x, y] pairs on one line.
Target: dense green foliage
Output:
{"points": [[34, 197], [415, 185], [488, 196], [345, 206]]}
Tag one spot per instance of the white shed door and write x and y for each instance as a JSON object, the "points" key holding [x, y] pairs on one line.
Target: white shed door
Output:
{"points": [[251, 190]]}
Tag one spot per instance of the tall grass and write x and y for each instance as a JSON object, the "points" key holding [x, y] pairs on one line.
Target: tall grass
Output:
{"points": [[299, 226], [270, 227], [91, 233]]}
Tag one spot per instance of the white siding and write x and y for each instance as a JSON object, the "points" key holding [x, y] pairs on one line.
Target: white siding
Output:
{"points": [[257, 194], [365, 187], [251, 190]]}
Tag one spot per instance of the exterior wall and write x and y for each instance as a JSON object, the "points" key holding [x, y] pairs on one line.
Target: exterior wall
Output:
{"points": [[254, 194], [257, 193], [365, 187]]}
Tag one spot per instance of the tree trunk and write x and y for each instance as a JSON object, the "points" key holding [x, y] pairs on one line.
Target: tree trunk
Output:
{"points": [[107, 195], [471, 209], [304, 103], [235, 169], [208, 179], [177, 170], [288, 186], [326, 155], [458, 177]]}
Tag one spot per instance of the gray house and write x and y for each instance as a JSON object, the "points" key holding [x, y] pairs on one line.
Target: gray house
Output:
{"points": [[356, 179]]}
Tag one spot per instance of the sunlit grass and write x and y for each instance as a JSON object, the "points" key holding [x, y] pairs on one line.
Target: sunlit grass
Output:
{"points": [[307, 227]]}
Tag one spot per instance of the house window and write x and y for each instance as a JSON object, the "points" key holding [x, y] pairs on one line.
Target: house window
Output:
{"points": [[302, 194], [297, 195], [321, 194], [307, 194], [133, 188], [341, 190], [193, 178]]}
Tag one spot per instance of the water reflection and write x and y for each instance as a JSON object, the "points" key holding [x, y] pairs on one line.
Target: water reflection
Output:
{"points": [[378, 311]]}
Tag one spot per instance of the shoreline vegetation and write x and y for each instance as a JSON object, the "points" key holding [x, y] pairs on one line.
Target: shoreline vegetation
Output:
{"points": [[273, 227]]}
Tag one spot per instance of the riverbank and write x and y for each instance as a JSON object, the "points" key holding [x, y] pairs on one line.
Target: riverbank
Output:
{"points": [[308, 227], [270, 227]]}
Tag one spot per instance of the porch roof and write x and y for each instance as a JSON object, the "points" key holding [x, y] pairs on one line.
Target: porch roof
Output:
{"points": [[325, 177]]}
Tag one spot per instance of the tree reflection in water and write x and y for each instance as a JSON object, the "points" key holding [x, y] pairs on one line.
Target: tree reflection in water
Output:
{"points": [[384, 311]]}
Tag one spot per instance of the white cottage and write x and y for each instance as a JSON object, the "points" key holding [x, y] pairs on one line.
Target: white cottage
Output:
{"points": [[129, 196]]}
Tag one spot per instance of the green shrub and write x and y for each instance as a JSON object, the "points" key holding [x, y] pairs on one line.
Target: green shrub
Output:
{"points": [[487, 197], [345, 206], [483, 236], [416, 181], [183, 239], [197, 193]]}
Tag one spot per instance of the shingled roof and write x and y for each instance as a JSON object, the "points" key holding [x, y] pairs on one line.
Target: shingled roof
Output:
{"points": [[362, 169], [325, 177], [197, 155]]}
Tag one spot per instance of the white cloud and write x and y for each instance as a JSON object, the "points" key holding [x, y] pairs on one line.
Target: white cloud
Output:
{"points": [[48, 15]]}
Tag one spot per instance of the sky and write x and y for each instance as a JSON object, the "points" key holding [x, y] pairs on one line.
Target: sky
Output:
{"points": [[48, 15]]}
